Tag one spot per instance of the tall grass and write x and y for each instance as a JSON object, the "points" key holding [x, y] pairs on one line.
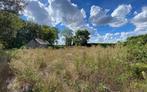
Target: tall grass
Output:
{"points": [[77, 69]]}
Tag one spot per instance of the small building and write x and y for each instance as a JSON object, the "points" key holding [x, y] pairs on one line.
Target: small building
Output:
{"points": [[37, 43]]}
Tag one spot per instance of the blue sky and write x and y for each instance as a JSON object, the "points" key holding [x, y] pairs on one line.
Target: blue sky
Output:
{"points": [[107, 20]]}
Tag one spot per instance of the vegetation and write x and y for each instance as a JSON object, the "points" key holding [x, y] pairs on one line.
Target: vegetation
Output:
{"points": [[115, 68], [49, 33], [9, 26], [79, 69], [81, 38], [16, 32], [137, 48], [31, 31]]}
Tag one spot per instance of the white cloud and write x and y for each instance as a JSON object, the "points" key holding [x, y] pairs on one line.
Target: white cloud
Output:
{"points": [[37, 12], [135, 13], [119, 15], [99, 16], [122, 11], [68, 13], [140, 20], [57, 11], [114, 37], [83, 12]]}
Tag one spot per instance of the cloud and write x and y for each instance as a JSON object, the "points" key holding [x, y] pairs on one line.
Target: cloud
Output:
{"points": [[99, 16], [37, 12], [140, 20], [55, 12], [83, 13], [119, 15], [67, 15], [107, 38], [114, 37], [122, 11]]}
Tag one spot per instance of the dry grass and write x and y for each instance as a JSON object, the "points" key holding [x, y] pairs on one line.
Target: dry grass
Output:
{"points": [[77, 69]]}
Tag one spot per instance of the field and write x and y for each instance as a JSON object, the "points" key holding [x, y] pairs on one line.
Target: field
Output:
{"points": [[73, 46], [76, 69]]}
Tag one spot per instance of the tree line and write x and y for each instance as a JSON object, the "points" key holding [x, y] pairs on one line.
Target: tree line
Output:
{"points": [[15, 32]]}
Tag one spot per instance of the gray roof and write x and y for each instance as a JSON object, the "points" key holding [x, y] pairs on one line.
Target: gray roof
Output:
{"points": [[40, 41]]}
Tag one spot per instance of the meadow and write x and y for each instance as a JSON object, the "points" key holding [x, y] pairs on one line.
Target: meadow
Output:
{"points": [[32, 58], [77, 69]]}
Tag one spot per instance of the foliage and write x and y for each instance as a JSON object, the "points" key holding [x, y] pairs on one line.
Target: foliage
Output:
{"points": [[137, 58], [32, 30], [9, 26], [49, 33], [69, 41], [81, 37], [137, 49], [27, 33]]}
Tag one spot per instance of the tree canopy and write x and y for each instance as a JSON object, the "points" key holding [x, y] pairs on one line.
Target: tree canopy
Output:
{"points": [[15, 32], [9, 25], [49, 33], [81, 37]]}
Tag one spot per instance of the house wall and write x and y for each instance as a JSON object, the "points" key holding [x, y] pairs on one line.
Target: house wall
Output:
{"points": [[34, 44], [31, 44]]}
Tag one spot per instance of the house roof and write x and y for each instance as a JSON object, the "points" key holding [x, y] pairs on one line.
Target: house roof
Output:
{"points": [[40, 41]]}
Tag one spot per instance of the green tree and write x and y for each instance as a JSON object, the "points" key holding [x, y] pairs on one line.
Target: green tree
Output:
{"points": [[69, 41], [81, 37], [9, 25], [49, 33], [32, 30], [29, 31]]}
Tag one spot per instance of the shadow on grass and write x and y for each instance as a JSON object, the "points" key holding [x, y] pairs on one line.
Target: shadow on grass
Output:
{"points": [[5, 71]]}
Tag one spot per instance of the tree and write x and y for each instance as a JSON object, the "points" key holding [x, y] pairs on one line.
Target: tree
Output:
{"points": [[49, 33], [81, 37], [32, 30], [9, 26], [29, 31], [68, 34], [12, 5], [69, 41]]}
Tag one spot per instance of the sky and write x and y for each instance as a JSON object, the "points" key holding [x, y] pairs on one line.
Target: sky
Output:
{"points": [[108, 21]]}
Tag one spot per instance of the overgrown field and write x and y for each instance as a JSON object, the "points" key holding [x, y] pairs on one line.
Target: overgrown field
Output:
{"points": [[77, 69]]}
